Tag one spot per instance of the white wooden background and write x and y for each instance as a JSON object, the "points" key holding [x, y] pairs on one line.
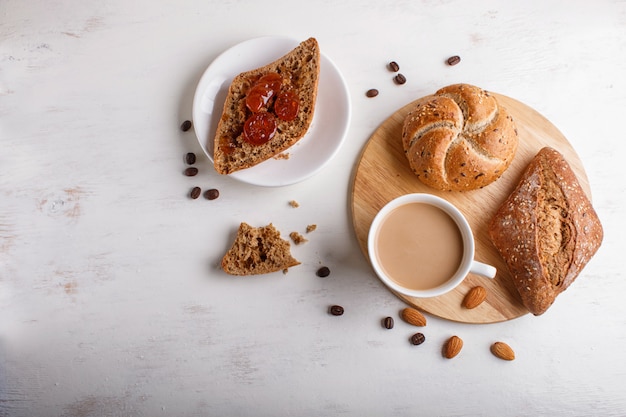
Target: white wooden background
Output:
{"points": [[111, 302]]}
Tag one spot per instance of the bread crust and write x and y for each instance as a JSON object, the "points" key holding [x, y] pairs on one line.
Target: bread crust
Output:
{"points": [[300, 72], [546, 230], [459, 139]]}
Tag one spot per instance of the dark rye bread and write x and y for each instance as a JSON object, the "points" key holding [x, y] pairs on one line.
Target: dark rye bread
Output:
{"points": [[300, 70], [258, 250], [459, 139], [546, 230]]}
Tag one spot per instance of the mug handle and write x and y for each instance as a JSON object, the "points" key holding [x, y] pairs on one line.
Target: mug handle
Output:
{"points": [[482, 269]]}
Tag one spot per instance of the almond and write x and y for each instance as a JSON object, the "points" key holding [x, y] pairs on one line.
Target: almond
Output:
{"points": [[475, 297], [452, 347], [414, 317], [503, 351]]}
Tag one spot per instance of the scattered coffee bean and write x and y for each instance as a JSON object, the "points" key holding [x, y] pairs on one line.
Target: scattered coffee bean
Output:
{"points": [[195, 192], [418, 339], [388, 322], [191, 171], [190, 158], [453, 60], [399, 79], [393, 66], [336, 310], [323, 272], [211, 194], [372, 92], [186, 125]]}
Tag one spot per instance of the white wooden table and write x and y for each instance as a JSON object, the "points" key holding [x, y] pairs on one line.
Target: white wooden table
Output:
{"points": [[111, 301]]}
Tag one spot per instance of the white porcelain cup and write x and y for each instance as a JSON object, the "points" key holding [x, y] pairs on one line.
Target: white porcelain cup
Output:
{"points": [[466, 265]]}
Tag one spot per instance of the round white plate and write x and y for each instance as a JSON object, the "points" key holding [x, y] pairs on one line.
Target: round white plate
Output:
{"points": [[324, 137]]}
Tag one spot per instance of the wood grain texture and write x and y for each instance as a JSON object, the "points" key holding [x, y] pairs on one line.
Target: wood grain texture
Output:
{"points": [[383, 173]]}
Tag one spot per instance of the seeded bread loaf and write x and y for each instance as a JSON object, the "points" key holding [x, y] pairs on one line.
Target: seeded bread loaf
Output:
{"points": [[300, 73], [546, 230], [459, 139], [258, 250]]}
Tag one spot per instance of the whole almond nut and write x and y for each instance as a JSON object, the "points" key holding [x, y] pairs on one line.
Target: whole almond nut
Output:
{"points": [[414, 317], [503, 351], [452, 347], [475, 297]]}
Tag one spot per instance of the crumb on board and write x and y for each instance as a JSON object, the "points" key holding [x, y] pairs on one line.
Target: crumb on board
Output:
{"points": [[294, 204], [311, 228], [297, 238]]}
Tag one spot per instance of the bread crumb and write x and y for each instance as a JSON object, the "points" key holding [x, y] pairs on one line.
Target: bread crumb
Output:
{"points": [[297, 238], [294, 204], [311, 228], [284, 155]]}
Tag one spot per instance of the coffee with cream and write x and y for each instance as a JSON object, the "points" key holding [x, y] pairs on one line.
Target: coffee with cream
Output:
{"points": [[419, 246]]}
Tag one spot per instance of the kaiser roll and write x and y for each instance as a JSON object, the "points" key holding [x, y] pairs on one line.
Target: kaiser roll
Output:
{"points": [[459, 139]]}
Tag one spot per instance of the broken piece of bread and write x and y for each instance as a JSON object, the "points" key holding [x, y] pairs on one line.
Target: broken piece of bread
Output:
{"points": [[258, 250]]}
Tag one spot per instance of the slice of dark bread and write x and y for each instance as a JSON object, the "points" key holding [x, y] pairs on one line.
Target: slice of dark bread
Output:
{"points": [[300, 73], [258, 250]]}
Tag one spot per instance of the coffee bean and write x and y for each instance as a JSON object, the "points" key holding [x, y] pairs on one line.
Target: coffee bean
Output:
{"points": [[336, 310], [211, 194], [195, 192], [186, 125], [323, 272], [399, 79], [393, 66], [190, 158], [418, 339], [453, 60], [388, 322], [191, 171], [372, 92]]}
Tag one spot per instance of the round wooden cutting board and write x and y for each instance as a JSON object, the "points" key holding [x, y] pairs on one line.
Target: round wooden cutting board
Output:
{"points": [[383, 173]]}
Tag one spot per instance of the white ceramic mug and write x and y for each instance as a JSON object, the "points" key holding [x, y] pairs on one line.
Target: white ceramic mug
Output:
{"points": [[466, 265]]}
